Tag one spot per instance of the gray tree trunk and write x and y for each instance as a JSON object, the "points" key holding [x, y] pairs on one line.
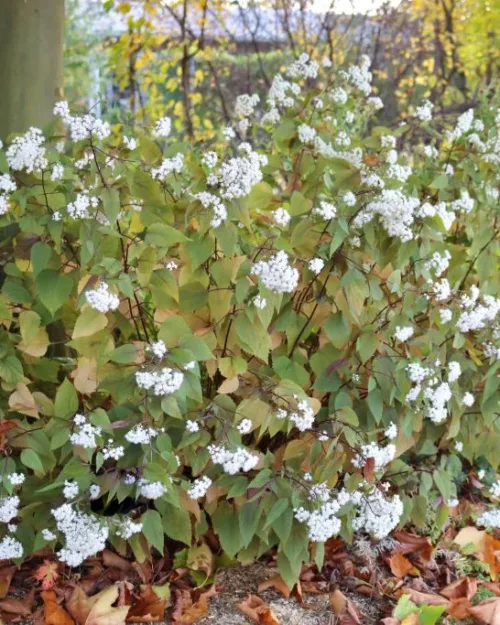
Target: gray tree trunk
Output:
{"points": [[31, 62]]}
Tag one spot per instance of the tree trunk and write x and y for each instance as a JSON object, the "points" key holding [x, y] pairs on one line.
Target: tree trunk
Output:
{"points": [[31, 62]]}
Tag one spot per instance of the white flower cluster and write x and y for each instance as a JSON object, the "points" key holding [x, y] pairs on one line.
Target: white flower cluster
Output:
{"points": [[127, 528], [316, 265], [303, 67], [162, 128], [163, 382], [245, 105], [238, 175], [82, 126], [168, 166], [101, 299], [84, 534], [9, 508], [219, 212], [403, 333], [159, 349], [339, 95], [209, 159], [276, 273], [7, 185], [360, 75], [27, 152], [306, 134], [281, 217], [438, 263], [395, 210], [151, 490], [392, 431], [476, 314], [199, 487], [282, 93], [85, 435], [325, 210], [495, 489], [302, 416], [490, 518], [141, 435], [377, 515], [244, 426], [462, 127], [10, 548], [424, 111], [436, 393], [79, 207], [382, 456], [323, 522], [112, 452], [70, 490], [259, 302], [233, 461], [16, 479]]}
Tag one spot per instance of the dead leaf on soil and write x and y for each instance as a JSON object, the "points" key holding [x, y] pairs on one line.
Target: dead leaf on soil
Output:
{"points": [[47, 573], [459, 608], [98, 609], [277, 583], [491, 555], [185, 611], [345, 610], [53, 613], [424, 597], [148, 609], [412, 543], [6, 574], [401, 566], [201, 559], [258, 611], [470, 536], [462, 588], [487, 611], [19, 607], [112, 559]]}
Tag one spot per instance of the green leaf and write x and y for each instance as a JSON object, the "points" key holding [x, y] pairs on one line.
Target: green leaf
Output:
{"points": [[162, 235], [32, 460], [53, 289], [66, 403], [248, 517], [227, 528], [89, 322], [153, 529], [277, 509], [124, 354]]}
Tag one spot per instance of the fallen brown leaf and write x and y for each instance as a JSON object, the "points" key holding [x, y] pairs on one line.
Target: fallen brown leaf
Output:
{"points": [[6, 574], [412, 543], [276, 582], [53, 613], [424, 597], [400, 565], [186, 611], [459, 608], [258, 611], [470, 536], [148, 609], [47, 573], [98, 609], [15, 606], [462, 588], [345, 610], [491, 555], [487, 611], [493, 586], [201, 559], [112, 559]]}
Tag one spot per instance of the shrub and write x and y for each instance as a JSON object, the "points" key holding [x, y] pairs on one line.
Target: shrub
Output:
{"points": [[285, 335]]}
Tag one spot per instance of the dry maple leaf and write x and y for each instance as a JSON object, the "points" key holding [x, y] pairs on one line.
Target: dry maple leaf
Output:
{"points": [[491, 555], [98, 609], [53, 613], [186, 611], [148, 609], [412, 543], [112, 559], [401, 566], [47, 573], [276, 582], [345, 610], [424, 597], [258, 611], [464, 587], [487, 611], [459, 608], [470, 536]]}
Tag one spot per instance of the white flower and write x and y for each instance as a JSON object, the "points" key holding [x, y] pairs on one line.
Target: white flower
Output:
{"points": [[325, 210], [209, 159], [162, 128], [94, 491], [245, 105], [70, 490], [163, 382], [85, 436], [130, 143], [159, 349], [392, 431], [101, 299], [82, 126], [377, 515], [233, 461], [454, 371], [27, 152], [168, 166], [446, 315], [48, 535], [190, 366], [238, 175], [339, 95], [306, 134], [244, 426], [113, 452], [141, 435], [57, 172], [151, 490], [281, 217], [424, 111], [259, 302], [9, 508], [381, 456], [276, 274], [84, 534], [127, 528], [10, 548], [219, 212], [468, 400], [192, 426], [459, 446], [16, 479], [79, 208], [199, 487], [403, 333], [316, 265], [495, 489], [395, 210]]}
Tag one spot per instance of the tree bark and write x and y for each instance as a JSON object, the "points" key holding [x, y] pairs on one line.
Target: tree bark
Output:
{"points": [[31, 62]]}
